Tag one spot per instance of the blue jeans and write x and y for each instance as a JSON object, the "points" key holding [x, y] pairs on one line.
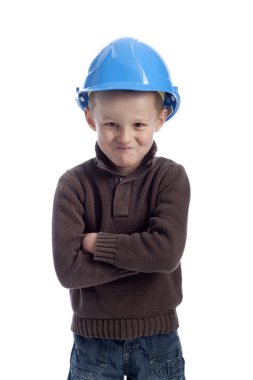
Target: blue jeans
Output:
{"points": [[148, 358]]}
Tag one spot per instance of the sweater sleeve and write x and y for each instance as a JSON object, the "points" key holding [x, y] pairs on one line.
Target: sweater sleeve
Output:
{"points": [[74, 268], [160, 247]]}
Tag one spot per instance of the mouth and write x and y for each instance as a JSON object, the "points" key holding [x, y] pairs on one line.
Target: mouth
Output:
{"points": [[123, 148]]}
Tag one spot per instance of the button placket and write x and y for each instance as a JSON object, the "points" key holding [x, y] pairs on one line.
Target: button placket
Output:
{"points": [[122, 199]]}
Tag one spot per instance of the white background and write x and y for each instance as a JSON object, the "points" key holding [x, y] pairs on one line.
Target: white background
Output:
{"points": [[46, 48]]}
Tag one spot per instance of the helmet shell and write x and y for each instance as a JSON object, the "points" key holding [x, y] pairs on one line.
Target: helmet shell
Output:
{"points": [[128, 64]]}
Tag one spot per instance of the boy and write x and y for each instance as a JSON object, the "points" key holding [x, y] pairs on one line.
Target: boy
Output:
{"points": [[119, 224]]}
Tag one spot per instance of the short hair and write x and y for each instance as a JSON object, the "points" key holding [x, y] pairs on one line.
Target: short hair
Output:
{"points": [[157, 96]]}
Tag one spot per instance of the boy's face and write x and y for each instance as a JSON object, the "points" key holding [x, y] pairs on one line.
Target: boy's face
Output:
{"points": [[125, 123]]}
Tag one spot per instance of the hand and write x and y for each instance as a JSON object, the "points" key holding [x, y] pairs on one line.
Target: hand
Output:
{"points": [[89, 242]]}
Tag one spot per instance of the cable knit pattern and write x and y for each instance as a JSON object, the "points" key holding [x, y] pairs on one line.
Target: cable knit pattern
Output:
{"points": [[132, 284]]}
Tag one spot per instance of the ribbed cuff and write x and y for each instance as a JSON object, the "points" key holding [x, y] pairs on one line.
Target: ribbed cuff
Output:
{"points": [[105, 247]]}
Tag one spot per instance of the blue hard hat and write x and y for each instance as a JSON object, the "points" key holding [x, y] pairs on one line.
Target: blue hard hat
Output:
{"points": [[128, 64]]}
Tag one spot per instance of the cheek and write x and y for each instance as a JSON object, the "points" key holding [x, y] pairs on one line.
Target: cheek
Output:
{"points": [[100, 134], [104, 136], [146, 139]]}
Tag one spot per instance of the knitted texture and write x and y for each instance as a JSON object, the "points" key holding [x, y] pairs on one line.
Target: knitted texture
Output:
{"points": [[132, 284]]}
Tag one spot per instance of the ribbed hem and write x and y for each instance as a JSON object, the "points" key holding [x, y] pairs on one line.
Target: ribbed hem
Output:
{"points": [[105, 247], [124, 328]]}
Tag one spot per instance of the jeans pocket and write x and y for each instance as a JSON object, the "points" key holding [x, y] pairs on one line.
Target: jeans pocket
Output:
{"points": [[88, 358], [165, 356]]}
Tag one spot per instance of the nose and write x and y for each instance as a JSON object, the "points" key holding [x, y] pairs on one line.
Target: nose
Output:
{"points": [[124, 135]]}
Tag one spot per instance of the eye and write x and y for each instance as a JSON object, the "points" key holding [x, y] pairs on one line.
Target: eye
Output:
{"points": [[139, 125], [111, 124]]}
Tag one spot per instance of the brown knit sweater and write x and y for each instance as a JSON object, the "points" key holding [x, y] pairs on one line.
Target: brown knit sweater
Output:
{"points": [[131, 286]]}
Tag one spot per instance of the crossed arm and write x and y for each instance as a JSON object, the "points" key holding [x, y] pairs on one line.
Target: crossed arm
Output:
{"points": [[75, 268], [115, 256]]}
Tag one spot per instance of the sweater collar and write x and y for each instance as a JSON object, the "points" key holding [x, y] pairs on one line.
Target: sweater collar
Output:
{"points": [[104, 164]]}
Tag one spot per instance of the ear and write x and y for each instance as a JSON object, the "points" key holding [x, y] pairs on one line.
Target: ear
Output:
{"points": [[161, 119], [89, 119]]}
